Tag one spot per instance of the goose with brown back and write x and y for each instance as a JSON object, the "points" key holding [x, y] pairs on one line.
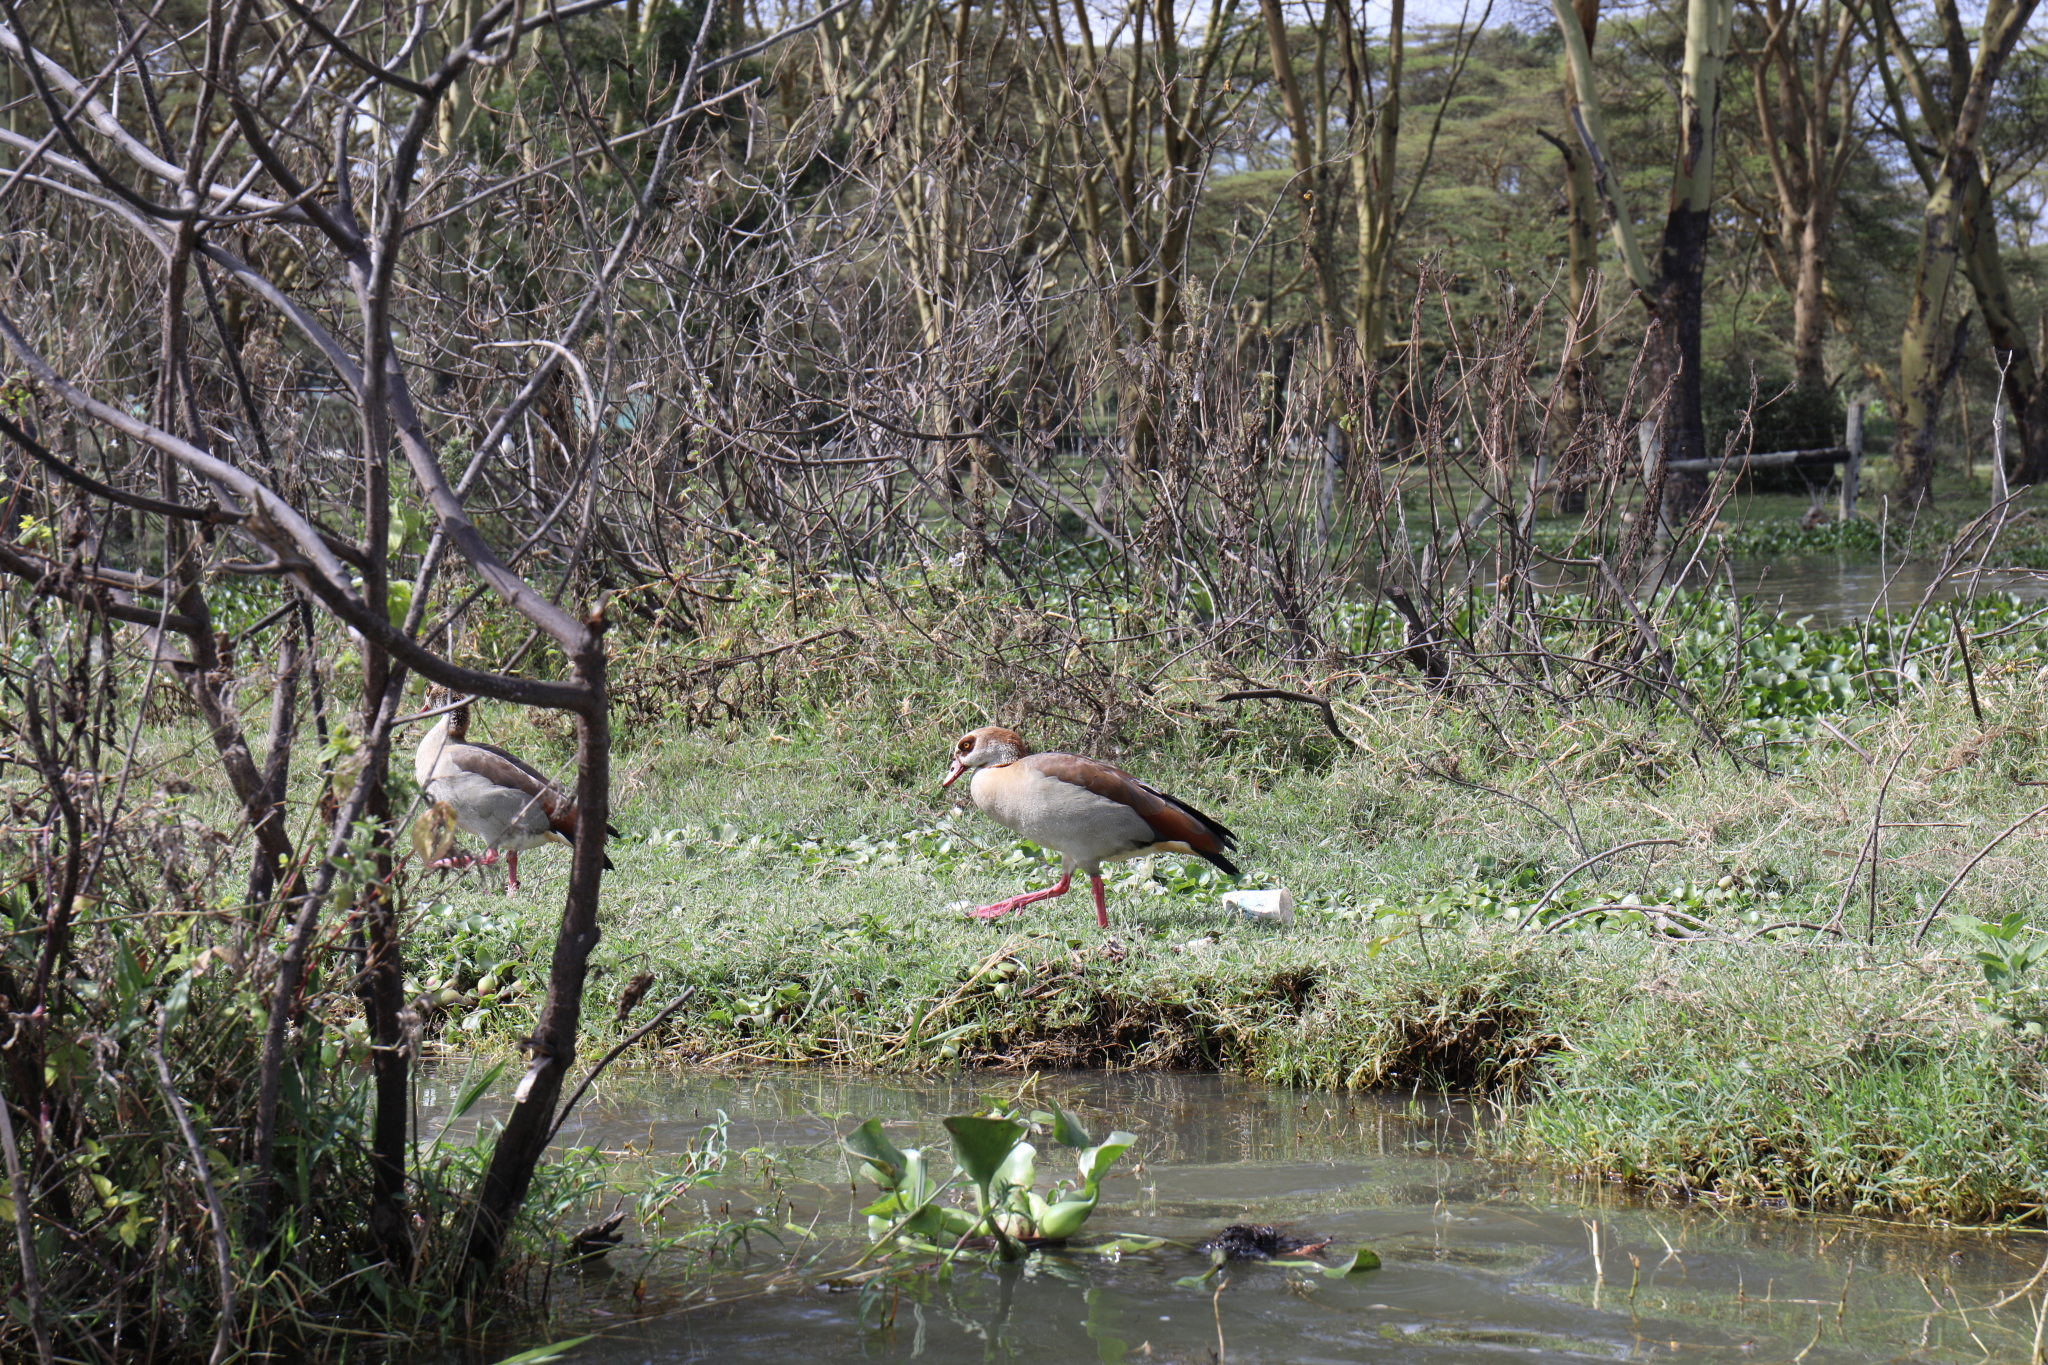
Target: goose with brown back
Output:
{"points": [[1084, 810], [497, 798]]}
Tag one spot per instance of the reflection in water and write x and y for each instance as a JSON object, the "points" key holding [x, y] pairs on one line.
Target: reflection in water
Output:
{"points": [[1829, 590], [1483, 1260], [1834, 590]]}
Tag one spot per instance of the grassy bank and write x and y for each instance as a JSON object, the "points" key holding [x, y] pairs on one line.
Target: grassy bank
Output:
{"points": [[1709, 1011]]}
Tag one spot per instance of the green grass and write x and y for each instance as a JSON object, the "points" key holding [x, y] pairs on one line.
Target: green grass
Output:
{"points": [[1752, 524], [795, 864], [1882, 1090], [809, 884]]}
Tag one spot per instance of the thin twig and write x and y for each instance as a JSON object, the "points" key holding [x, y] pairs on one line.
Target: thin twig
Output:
{"points": [[2023, 1290], [223, 1252], [1969, 673], [1870, 849], [1281, 694], [24, 1236], [1970, 866], [1524, 803], [1605, 909], [1579, 867], [1825, 724], [666, 1010]]}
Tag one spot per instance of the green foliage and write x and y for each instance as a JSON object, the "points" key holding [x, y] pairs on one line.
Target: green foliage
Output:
{"points": [[545, 1355], [1358, 1262], [990, 1150], [1766, 539], [1760, 409], [472, 966], [1788, 671], [2022, 542], [1812, 1082], [2008, 951]]}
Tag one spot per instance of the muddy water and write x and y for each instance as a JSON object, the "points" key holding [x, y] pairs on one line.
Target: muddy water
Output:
{"points": [[1483, 1260]]}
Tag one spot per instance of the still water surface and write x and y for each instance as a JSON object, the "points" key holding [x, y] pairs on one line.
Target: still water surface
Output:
{"points": [[1484, 1260], [1836, 590]]}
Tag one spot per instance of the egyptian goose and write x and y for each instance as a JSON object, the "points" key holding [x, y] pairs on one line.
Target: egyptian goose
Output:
{"points": [[495, 797], [1087, 812]]}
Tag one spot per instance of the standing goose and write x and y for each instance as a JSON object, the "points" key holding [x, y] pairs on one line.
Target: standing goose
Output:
{"points": [[1087, 812], [495, 797]]}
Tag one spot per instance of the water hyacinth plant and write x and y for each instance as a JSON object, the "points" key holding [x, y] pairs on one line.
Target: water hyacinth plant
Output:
{"points": [[991, 1152], [2008, 950]]}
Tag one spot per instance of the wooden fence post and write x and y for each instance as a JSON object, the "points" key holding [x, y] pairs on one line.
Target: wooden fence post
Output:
{"points": [[1652, 451], [1333, 458], [1852, 469], [1999, 491]]}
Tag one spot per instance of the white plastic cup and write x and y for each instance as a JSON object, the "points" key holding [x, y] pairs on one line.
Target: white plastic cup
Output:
{"points": [[1275, 907]]}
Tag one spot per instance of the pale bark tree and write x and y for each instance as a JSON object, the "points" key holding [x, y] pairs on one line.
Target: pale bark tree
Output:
{"points": [[1672, 291], [1808, 76], [1314, 186], [1373, 108], [1958, 228], [1577, 371]]}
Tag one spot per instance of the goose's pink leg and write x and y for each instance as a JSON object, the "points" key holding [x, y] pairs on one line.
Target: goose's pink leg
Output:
{"points": [[511, 871], [1101, 907], [1001, 908]]}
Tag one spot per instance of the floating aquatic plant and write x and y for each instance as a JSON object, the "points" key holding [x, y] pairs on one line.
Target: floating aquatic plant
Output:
{"points": [[991, 1152]]}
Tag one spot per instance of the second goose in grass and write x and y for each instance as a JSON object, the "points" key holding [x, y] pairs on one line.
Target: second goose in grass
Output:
{"points": [[495, 796]]}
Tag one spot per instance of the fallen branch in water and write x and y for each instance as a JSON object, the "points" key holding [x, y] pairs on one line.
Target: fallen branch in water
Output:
{"points": [[666, 1010]]}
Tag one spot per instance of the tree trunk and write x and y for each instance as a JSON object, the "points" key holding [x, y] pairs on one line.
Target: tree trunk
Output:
{"points": [[264, 869], [1576, 374], [1807, 132], [1373, 157], [1312, 186], [2030, 429], [1676, 309], [531, 1123], [1952, 230], [1809, 303], [1682, 261], [1671, 293], [1921, 348], [381, 988], [1567, 412], [2026, 397]]}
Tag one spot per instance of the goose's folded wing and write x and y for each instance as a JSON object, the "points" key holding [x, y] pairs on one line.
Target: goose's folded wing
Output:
{"points": [[1171, 820]]}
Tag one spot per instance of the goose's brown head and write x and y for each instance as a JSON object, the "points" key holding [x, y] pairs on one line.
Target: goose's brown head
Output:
{"points": [[990, 746]]}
